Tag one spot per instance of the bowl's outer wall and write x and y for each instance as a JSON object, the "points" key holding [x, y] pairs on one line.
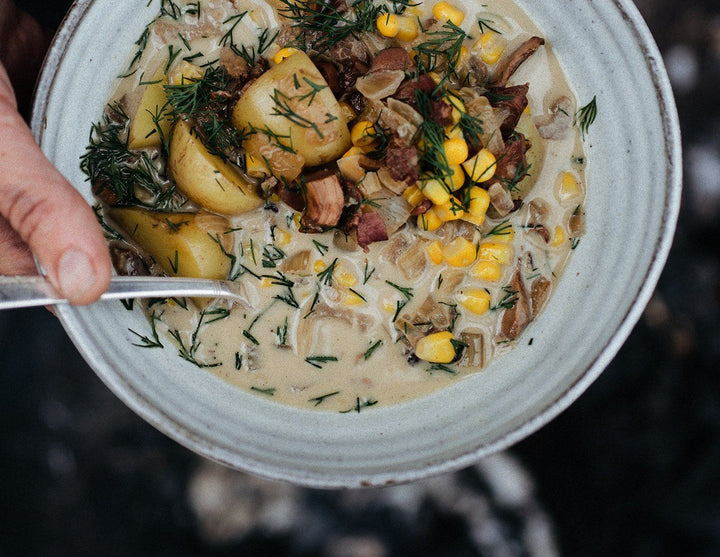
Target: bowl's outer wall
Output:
{"points": [[632, 207]]}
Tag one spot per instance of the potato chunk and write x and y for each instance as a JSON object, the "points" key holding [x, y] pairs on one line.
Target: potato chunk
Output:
{"points": [[183, 244], [152, 113], [293, 100], [207, 179]]}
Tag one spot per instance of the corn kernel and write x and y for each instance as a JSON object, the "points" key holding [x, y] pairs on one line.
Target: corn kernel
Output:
{"points": [[444, 11], [504, 233], [435, 191], [491, 46], [436, 77], [460, 252], [429, 221], [456, 180], [319, 266], [436, 347], [352, 299], [283, 53], [344, 277], [296, 219], [481, 167], [558, 237], [477, 221], [255, 167], [388, 25], [407, 28], [454, 131], [463, 54], [266, 282], [568, 186], [413, 196], [488, 271], [477, 300], [362, 134], [452, 210], [282, 237], [389, 305], [494, 251], [456, 150], [434, 251], [479, 201], [456, 102]]}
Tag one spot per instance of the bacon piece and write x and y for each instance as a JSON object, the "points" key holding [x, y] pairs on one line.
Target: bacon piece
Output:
{"points": [[393, 58], [291, 195], [442, 113], [402, 161], [422, 208], [406, 91], [325, 200], [507, 69], [371, 228], [514, 100]]}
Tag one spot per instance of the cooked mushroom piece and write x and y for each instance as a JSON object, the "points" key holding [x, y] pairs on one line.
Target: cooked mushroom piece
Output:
{"points": [[559, 120], [516, 318], [505, 71]]}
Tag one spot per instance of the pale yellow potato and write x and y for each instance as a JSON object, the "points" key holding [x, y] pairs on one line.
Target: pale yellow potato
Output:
{"points": [[143, 131], [312, 118], [183, 244], [206, 178]]}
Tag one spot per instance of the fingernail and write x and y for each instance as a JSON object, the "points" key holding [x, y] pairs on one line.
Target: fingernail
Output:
{"points": [[76, 274]]}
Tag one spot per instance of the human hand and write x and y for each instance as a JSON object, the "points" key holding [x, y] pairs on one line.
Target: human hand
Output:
{"points": [[40, 212]]}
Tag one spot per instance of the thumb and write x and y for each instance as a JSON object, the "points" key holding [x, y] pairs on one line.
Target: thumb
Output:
{"points": [[48, 214]]}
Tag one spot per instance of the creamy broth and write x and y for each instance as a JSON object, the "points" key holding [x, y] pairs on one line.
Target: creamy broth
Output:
{"points": [[336, 329]]}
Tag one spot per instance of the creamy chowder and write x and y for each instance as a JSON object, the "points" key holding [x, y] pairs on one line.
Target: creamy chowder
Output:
{"points": [[396, 188]]}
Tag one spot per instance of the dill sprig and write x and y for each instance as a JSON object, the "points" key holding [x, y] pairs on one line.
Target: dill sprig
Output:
{"points": [[586, 116], [508, 301], [318, 400], [316, 361], [322, 25], [441, 49], [431, 135]]}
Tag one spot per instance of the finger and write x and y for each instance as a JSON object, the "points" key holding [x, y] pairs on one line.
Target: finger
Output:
{"points": [[16, 256], [49, 215]]}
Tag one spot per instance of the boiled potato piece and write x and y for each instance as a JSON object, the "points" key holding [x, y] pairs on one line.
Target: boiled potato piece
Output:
{"points": [[292, 99], [154, 105], [183, 244], [206, 178]]}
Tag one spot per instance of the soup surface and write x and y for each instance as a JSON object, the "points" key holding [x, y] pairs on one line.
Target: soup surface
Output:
{"points": [[396, 188]]}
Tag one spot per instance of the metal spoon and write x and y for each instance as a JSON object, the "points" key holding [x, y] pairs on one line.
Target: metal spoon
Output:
{"points": [[22, 292]]}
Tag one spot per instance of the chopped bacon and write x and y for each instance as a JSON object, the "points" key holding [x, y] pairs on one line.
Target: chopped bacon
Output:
{"points": [[402, 161], [406, 91], [422, 208], [442, 113], [514, 100], [393, 58], [331, 75], [291, 195], [508, 68], [325, 200], [371, 228]]}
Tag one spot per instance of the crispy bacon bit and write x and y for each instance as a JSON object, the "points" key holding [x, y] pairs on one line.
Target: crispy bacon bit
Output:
{"points": [[324, 198], [402, 161], [512, 163], [331, 75], [291, 195], [508, 68], [514, 99], [442, 113], [371, 228], [422, 208], [393, 58], [516, 318], [406, 91]]}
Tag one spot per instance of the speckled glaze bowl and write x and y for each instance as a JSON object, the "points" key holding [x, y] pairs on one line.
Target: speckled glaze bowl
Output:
{"points": [[634, 176]]}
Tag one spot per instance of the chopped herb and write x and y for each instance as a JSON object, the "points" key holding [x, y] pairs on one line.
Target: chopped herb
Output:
{"points": [[367, 273], [363, 298], [271, 255], [509, 299], [238, 361], [359, 405], [315, 361], [281, 332], [148, 342], [322, 248], [318, 400], [406, 291], [326, 276], [370, 351], [484, 25], [586, 116], [269, 392], [441, 367], [248, 335], [503, 228]]}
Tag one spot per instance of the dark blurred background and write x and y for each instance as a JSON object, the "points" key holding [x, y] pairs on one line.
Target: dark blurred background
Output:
{"points": [[632, 468]]}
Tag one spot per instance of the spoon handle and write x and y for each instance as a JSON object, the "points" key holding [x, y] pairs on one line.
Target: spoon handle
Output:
{"points": [[22, 292]]}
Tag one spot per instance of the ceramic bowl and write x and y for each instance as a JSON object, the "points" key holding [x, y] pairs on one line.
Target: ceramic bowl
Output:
{"points": [[632, 205]]}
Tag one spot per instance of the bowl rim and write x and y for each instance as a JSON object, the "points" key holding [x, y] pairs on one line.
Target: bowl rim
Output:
{"points": [[136, 401]]}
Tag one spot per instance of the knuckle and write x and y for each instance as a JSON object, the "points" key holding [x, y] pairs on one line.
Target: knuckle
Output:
{"points": [[26, 213]]}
